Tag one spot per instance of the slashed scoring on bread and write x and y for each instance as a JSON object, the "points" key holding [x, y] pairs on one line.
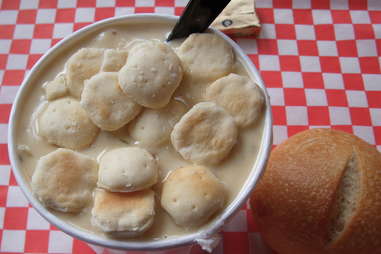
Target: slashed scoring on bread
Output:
{"points": [[123, 214], [191, 195], [127, 169], [205, 134], [64, 180]]}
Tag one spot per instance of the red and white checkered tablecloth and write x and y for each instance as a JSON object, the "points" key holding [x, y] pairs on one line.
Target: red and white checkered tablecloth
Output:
{"points": [[320, 61]]}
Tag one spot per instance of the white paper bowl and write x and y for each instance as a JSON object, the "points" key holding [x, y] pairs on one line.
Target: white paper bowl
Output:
{"points": [[130, 244]]}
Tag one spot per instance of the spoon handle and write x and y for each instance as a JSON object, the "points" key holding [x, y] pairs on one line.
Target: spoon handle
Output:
{"points": [[197, 17]]}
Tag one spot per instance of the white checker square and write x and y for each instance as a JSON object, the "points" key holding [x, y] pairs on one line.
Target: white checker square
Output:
{"points": [[61, 30], [144, 3], [105, 3], [5, 174], [2, 211], [3, 136], [165, 10], [120, 11], [5, 46], [45, 16], [372, 82], [181, 3], [310, 63], [13, 241], [269, 63], [59, 242], [267, 31], [249, 46], [339, 115], [349, 64], [16, 198], [322, 17], [305, 32], [356, 98], [8, 17], [17, 61], [366, 47], [263, 4], [292, 79], [360, 17], [36, 221], [23, 31], [327, 48], [276, 96], [238, 223], [333, 81], [378, 148], [344, 31], [339, 5], [280, 134], [365, 132], [1, 76], [296, 115], [377, 30], [374, 5], [28, 4], [283, 16], [67, 3], [287, 47], [375, 115], [40, 46], [297, 4], [84, 14], [316, 97]]}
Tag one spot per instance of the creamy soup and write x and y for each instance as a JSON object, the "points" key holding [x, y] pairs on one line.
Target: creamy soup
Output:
{"points": [[232, 171]]}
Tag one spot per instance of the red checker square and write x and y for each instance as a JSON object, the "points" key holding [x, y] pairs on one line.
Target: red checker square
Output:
{"points": [[86, 3], [15, 217], [318, 116], [325, 32], [43, 31], [4, 159], [65, 15], [267, 47], [347, 48], [370, 65], [47, 4], [3, 195], [5, 109], [6, 31], [289, 63], [272, 78], [179, 10], [360, 116], [144, 9], [130, 3], [32, 59], [364, 31], [378, 45], [307, 48], [375, 17], [341, 17], [282, 4], [320, 4], [330, 64], [266, 15], [12, 180], [346, 128], [377, 134], [353, 81], [83, 248], [36, 241], [374, 99], [103, 13], [312, 80], [26, 17], [279, 115], [294, 97], [10, 5], [357, 5], [12, 78], [303, 17], [285, 31], [292, 130], [3, 61], [251, 223], [54, 42], [165, 3], [254, 59], [235, 242], [20, 46], [336, 98], [78, 26]]}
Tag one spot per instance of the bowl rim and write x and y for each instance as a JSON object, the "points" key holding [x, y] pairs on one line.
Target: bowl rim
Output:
{"points": [[212, 228]]}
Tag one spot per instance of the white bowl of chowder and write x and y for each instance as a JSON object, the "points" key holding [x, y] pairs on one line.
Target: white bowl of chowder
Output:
{"points": [[125, 141]]}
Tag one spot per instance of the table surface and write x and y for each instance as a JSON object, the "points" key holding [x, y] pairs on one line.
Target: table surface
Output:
{"points": [[320, 61]]}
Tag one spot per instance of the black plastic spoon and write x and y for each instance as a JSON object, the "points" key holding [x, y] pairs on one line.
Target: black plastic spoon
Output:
{"points": [[197, 17]]}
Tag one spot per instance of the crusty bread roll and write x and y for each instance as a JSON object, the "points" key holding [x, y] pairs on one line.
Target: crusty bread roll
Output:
{"points": [[320, 194]]}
